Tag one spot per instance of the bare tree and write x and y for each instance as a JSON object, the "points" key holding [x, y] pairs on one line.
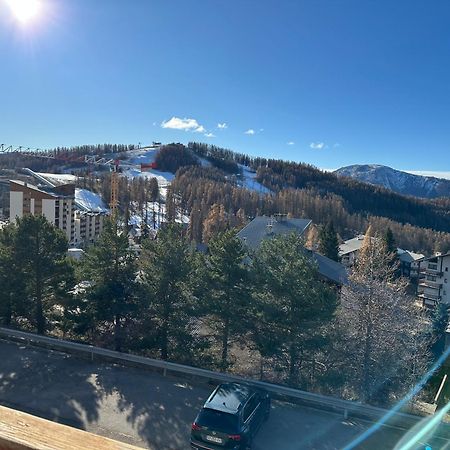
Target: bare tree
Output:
{"points": [[386, 333]]}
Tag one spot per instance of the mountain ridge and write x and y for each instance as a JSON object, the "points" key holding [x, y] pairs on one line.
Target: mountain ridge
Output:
{"points": [[404, 183]]}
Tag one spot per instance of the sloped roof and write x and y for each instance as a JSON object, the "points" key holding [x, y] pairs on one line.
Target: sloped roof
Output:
{"points": [[330, 269], [408, 257], [352, 245], [264, 227]]}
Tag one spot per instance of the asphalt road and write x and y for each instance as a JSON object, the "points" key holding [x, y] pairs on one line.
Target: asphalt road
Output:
{"points": [[152, 411]]}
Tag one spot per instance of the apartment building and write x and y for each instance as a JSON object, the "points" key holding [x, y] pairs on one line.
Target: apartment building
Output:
{"points": [[78, 212], [434, 280], [55, 204]]}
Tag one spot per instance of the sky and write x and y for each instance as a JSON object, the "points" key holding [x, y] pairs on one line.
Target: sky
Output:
{"points": [[327, 82]]}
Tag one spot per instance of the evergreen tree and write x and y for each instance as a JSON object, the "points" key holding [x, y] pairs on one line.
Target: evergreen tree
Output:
{"points": [[12, 284], [40, 252], [168, 285], [227, 295], [293, 306], [390, 247], [110, 268], [328, 242]]}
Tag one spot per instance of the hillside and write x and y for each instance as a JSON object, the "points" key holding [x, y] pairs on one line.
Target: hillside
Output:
{"points": [[204, 176], [397, 181]]}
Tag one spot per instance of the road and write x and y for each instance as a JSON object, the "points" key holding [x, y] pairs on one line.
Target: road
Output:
{"points": [[148, 410]]}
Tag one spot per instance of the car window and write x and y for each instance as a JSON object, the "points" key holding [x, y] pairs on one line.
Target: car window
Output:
{"points": [[250, 407], [218, 420]]}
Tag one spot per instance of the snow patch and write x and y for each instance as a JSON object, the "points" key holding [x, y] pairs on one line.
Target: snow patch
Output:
{"points": [[89, 201]]}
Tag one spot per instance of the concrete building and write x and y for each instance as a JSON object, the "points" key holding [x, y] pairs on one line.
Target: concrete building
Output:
{"points": [[434, 280], [78, 212], [56, 205]]}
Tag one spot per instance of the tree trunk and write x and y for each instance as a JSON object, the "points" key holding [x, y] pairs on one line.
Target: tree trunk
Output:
{"points": [[293, 359], [117, 334], [226, 330], [366, 363]]}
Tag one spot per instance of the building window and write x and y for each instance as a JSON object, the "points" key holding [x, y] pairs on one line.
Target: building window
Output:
{"points": [[433, 266]]}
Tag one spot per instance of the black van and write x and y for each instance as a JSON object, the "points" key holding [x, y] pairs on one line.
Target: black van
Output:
{"points": [[230, 418]]}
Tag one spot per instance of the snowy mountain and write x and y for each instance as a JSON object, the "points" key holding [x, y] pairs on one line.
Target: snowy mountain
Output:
{"points": [[398, 181]]}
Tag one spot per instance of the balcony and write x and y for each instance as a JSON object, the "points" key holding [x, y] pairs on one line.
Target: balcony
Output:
{"points": [[430, 284], [426, 296]]}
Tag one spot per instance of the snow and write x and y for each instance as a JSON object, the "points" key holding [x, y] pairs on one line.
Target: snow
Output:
{"points": [[89, 201], [59, 178], [430, 173], [142, 156], [164, 178], [159, 210], [249, 181]]}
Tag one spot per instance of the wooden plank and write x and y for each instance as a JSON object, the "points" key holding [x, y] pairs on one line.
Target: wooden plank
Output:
{"points": [[21, 431]]}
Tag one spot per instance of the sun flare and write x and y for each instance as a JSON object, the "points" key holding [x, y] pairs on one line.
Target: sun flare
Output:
{"points": [[25, 10]]}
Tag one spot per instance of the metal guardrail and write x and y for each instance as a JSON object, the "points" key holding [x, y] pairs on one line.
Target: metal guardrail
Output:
{"points": [[345, 407]]}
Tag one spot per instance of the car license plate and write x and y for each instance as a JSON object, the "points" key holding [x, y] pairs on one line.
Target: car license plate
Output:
{"points": [[213, 439]]}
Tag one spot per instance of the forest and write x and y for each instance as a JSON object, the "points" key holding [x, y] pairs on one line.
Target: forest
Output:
{"points": [[209, 180], [263, 314]]}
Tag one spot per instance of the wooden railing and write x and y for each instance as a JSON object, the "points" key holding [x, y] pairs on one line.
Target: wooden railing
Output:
{"points": [[21, 431]]}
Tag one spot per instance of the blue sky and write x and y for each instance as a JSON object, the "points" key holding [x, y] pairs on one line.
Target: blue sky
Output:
{"points": [[330, 83]]}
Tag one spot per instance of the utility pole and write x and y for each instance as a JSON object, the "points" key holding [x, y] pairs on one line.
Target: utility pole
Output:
{"points": [[114, 203]]}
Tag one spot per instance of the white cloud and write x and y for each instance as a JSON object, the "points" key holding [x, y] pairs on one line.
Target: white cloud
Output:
{"points": [[222, 126], [250, 131], [175, 123], [261, 130], [336, 145], [291, 143], [210, 135], [317, 145]]}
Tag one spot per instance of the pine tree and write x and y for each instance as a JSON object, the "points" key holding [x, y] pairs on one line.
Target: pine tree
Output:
{"points": [[168, 280], [328, 242], [293, 306], [11, 282], [227, 294], [40, 255], [110, 267]]}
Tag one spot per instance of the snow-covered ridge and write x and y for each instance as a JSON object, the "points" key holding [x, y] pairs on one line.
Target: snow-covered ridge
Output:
{"points": [[397, 180]]}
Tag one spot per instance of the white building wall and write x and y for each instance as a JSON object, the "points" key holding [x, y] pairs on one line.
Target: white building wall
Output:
{"points": [[446, 280], [48, 210], [15, 205]]}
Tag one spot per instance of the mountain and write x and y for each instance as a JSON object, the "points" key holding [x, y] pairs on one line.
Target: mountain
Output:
{"points": [[397, 181]]}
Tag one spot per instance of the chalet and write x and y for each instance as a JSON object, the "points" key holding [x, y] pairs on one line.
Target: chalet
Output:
{"points": [[263, 227]]}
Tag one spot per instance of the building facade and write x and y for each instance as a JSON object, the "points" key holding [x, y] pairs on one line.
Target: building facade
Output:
{"points": [[434, 280], [57, 206], [77, 212]]}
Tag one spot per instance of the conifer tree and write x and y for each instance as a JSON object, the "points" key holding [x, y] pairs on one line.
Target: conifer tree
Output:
{"points": [[227, 295], [293, 305], [110, 268], [12, 284], [328, 242], [168, 278], [40, 252]]}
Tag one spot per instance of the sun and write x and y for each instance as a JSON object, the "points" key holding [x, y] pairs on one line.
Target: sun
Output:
{"points": [[24, 10]]}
